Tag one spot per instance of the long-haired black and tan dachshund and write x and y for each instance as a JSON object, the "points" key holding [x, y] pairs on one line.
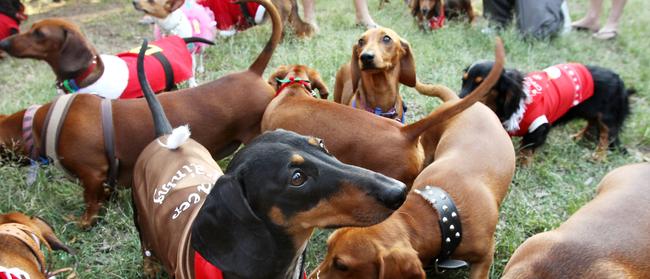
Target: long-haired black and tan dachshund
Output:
{"points": [[528, 105]]}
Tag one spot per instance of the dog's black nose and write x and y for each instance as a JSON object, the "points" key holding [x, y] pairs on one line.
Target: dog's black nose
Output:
{"points": [[4, 45], [393, 194], [367, 57], [395, 197], [425, 11]]}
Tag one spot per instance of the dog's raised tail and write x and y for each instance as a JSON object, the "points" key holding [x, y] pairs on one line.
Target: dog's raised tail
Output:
{"points": [[451, 108], [161, 124], [436, 90], [263, 59]]}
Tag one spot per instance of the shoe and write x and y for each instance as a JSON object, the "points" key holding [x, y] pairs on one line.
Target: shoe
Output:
{"points": [[605, 35]]}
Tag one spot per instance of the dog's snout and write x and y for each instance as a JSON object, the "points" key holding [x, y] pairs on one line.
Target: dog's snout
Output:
{"points": [[367, 57], [393, 193], [394, 197], [4, 45], [136, 5], [425, 11]]}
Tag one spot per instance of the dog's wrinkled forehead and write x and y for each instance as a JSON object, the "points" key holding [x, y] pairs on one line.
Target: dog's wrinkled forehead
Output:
{"points": [[55, 22], [378, 33], [280, 143], [481, 67]]}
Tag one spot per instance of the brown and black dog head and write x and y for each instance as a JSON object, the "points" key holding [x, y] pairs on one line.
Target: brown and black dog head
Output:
{"points": [[505, 95], [39, 228], [425, 9], [275, 191], [382, 50], [57, 41], [354, 254], [157, 8], [302, 72]]}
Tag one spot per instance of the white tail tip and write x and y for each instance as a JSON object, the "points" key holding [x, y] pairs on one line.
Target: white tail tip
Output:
{"points": [[179, 136]]}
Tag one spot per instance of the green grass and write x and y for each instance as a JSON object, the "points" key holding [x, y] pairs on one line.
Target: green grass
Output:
{"points": [[562, 179]]}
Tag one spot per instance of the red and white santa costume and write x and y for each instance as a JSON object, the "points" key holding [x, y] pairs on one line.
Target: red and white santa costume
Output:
{"points": [[120, 77], [550, 94], [229, 15]]}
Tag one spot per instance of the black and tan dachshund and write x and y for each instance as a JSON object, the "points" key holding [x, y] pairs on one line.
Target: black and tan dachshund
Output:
{"points": [[255, 221], [528, 105]]}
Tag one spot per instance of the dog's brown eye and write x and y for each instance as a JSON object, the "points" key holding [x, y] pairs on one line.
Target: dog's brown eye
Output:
{"points": [[298, 178], [339, 265], [386, 39], [361, 42]]}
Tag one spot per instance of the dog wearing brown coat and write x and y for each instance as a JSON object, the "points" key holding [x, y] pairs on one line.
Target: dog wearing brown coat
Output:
{"points": [[606, 238], [461, 165], [225, 112]]}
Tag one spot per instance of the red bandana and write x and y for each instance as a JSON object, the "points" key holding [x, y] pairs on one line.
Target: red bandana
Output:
{"points": [[290, 81], [204, 269], [438, 21]]}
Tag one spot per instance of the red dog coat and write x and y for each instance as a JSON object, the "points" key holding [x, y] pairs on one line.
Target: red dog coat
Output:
{"points": [[552, 93], [174, 49], [120, 77], [229, 15], [8, 26]]}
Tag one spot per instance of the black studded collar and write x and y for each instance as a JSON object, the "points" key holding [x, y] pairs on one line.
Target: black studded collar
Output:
{"points": [[450, 227]]}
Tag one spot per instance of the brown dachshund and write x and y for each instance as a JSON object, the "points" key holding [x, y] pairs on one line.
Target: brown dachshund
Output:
{"points": [[381, 61], [359, 138], [431, 14], [80, 69], [21, 238], [224, 113], [606, 238], [474, 171]]}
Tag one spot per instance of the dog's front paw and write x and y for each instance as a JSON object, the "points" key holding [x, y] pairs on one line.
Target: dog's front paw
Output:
{"points": [[600, 155], [525, 158], [150, 267]]}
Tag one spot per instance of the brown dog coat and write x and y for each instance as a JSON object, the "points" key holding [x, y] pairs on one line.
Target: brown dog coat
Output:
{"points": [[167, 198]]}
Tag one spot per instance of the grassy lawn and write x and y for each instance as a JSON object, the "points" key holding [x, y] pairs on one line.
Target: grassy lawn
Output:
{"points": [[561, 180]]}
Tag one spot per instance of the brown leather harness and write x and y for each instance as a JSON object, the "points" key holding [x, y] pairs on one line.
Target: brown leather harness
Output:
{"points": [[51, 131], [30, 238]]}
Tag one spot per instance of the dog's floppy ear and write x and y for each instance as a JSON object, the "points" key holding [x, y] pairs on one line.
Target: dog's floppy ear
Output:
{"points": [[316, 82], [173, 5], [400, 262], [510, 88], [355, 72], [281, 72], [228, 234], [75, 54], [407, 65], [415, 7]]}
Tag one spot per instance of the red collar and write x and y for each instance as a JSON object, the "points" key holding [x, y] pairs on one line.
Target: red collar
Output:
{"points": [[290, 81], [438, 22], [72, 85]]}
